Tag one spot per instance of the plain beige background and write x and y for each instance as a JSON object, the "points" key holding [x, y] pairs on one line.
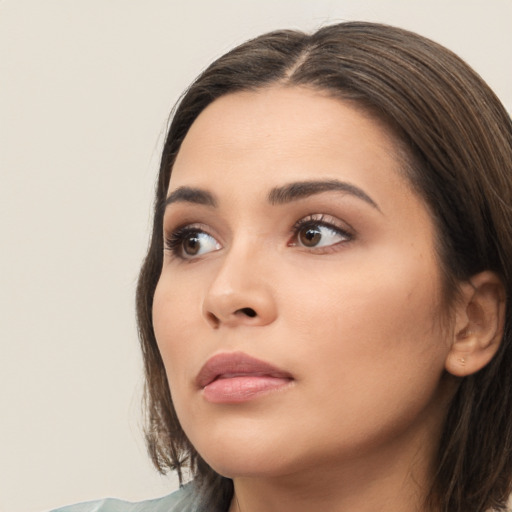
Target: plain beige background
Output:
{"points": [[85, 91]]}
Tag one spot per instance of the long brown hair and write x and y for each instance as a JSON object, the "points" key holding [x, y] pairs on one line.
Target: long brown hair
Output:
{"points": [[458, 140]]}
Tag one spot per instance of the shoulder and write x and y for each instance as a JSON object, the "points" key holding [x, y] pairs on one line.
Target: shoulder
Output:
{"points": [[184, 500]]}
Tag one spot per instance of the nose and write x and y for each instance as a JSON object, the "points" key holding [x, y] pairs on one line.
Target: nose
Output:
{"points": [[241, 292]]}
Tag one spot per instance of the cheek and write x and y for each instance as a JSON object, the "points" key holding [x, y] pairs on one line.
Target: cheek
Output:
{"points": [[373, 351], [373, 326], [390, 291], [174, 318]]}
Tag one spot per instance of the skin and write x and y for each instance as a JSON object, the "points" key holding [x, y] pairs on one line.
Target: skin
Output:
{"points": [[355, 320]]}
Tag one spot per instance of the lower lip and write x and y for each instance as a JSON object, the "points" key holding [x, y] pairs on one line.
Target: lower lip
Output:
{"points": [[239, 389]]}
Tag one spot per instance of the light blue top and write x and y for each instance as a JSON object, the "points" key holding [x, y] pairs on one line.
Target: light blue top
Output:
{"points": [[184, 500]]}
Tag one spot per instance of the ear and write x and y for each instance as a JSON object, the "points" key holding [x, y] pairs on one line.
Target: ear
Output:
{"points": [[479, 324]]}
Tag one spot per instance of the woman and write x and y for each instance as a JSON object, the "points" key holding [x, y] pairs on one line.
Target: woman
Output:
{"points": [[323, 307]]}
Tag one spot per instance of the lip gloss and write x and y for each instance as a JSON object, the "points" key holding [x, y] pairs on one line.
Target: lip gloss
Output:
{"points": [[237, 377], [241, 388]]}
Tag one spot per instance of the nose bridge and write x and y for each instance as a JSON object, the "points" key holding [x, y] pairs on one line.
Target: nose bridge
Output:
{"points": [[241, 291]]}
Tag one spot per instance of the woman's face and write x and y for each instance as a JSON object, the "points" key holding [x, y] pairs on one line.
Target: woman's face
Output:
{"points": [[297, 312]]}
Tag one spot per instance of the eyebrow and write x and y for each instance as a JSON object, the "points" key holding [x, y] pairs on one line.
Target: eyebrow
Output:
{"points": [[191, 195], [278, 195], [302, 189]]}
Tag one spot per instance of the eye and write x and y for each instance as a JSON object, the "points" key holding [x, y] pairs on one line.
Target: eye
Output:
{"points": [[315, 231], [189, 242]]}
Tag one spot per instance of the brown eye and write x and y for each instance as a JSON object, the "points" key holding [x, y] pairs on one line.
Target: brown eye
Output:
{"points": [[196, 243], [310, 237], [189, 242], [311, 233]]}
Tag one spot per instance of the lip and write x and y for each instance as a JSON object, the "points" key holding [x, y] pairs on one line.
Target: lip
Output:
{"points": [[237, 377]]}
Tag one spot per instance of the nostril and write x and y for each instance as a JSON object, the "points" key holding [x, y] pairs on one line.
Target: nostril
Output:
{"points": [[247, 311], [214, 321]]}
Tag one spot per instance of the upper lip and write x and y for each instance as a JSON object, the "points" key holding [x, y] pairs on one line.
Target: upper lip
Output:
{"points": [[235, 364]]}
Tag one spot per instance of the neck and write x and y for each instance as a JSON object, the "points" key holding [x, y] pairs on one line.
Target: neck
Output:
{"points": [[336, 492]]}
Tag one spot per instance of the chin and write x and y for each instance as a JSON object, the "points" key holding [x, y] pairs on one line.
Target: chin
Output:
{"points": [[246, 454], [239, 465]]}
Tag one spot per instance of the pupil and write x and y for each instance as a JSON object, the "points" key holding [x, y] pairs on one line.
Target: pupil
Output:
{"points": [[310, 237]]}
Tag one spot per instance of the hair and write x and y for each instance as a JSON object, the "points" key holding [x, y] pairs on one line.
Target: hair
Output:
{"points": [[458, 140]]}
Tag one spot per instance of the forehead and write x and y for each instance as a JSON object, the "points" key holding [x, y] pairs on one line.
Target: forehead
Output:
{"points": [[294, 131]]}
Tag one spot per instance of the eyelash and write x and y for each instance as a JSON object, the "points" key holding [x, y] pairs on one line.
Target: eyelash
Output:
{"points": [[174, 242]]}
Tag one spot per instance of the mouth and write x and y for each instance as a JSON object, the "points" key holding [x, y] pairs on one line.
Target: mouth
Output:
{"points": [[237, 377]]}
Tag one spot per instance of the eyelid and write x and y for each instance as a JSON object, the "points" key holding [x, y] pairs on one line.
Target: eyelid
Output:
{"points": [[327, 221]]}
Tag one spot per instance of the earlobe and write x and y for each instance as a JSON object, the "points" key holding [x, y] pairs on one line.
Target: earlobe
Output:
{"points": [[478, 326]]}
